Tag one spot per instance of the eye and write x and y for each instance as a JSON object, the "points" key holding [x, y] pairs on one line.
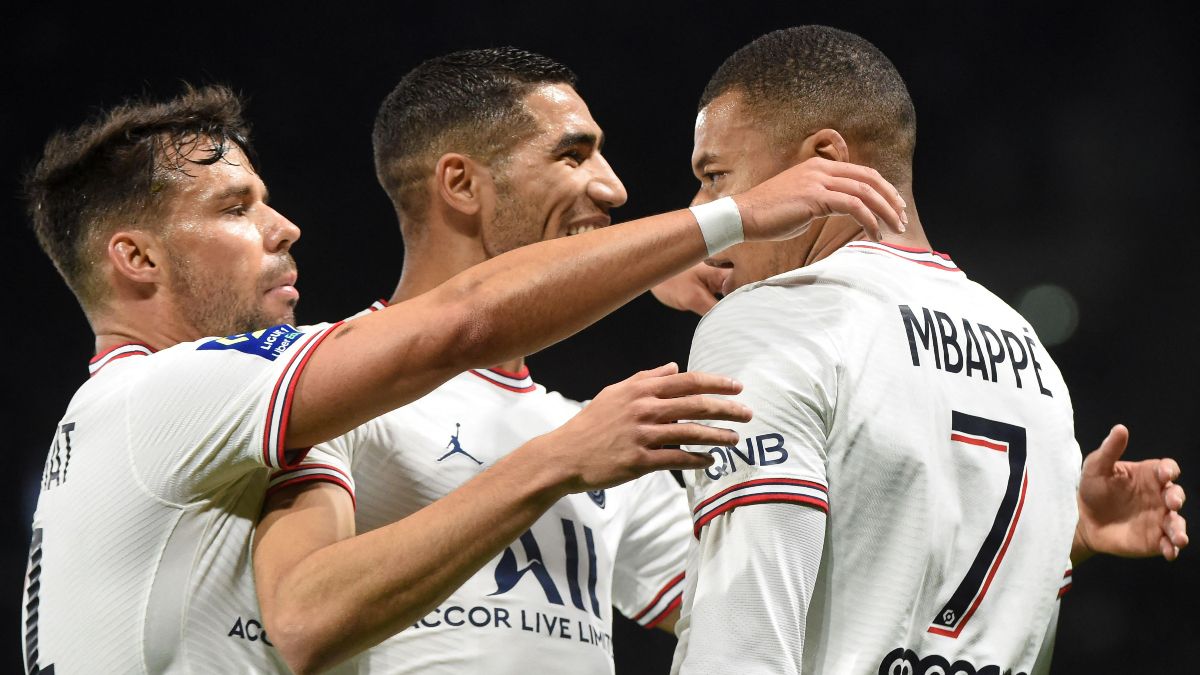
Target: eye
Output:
{"points": [[237, 211], [574, 155], [712, 177]]}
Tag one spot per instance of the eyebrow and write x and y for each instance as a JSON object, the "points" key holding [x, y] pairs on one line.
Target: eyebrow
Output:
{"points": [[243, 191], [570, 140], [698, 165]]}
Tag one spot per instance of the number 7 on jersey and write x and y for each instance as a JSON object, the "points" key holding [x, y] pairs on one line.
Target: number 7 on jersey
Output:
{"points": [[988, 435]]}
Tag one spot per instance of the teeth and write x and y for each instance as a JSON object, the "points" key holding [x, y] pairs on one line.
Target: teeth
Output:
{"points": [[580, 229]]}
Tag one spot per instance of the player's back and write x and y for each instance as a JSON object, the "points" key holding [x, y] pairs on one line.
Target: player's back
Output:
{"points": [[945, 442]]}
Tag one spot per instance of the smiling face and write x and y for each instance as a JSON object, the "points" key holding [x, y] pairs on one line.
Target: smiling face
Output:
{"points": [[229, 266], [555, 182], [732, 154]]}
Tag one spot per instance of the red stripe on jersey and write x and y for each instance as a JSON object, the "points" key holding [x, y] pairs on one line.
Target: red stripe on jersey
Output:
{"points": [[519, 390], [948, 267], [287, 403], [666, 612], [1063, 591], [663, 591], [383, 304], [760, 481], [762, 498], [304, 467], [991, 572], [110, 350], [319, 477], [983, 443]]}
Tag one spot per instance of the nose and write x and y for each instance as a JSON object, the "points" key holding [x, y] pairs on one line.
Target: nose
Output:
{"points": [[701, 197], [280, 233], [604, 187]]}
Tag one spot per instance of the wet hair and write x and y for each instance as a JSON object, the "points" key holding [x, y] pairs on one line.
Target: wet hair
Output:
{"points": [[121, 167], [468, 102], [799, 80]]}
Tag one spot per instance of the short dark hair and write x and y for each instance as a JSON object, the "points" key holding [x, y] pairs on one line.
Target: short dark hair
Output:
{"points": [[806, 78], [119, 167], [468, 102]]}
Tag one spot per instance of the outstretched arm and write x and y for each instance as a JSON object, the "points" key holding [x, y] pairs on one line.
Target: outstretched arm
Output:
{"points": [[1129, 509], [327, 594], [532, 297]]}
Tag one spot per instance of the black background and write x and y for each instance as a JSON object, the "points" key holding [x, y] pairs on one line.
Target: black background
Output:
{"points": [[1056, 145]]}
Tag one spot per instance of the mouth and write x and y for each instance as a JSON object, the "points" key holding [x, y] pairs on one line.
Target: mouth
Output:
{"points": [[284, 286], [588, 224]]}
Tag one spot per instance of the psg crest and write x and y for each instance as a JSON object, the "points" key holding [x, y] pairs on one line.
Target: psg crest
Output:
{"points": [[597, 497]]}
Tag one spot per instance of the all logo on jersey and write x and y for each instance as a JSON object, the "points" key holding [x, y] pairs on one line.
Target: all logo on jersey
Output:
{"points": [[597, 497], [455, 448], [268, 343]]}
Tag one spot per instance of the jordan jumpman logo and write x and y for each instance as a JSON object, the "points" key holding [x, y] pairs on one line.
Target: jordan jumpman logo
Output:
{"points": [[456, 448]]}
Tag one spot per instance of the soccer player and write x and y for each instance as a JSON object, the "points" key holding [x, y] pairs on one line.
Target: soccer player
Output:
{"points": [[905, 499], [481, 152], [156, 219]]}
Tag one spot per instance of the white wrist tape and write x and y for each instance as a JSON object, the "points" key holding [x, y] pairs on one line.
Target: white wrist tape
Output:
{"points": [[720, 223]]}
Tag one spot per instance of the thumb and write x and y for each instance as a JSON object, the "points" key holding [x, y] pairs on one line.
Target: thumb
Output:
{"points": [[1103, 458]]}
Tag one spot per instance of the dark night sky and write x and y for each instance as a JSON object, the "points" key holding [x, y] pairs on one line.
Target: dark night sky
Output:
{"points": [[1054, 147]]}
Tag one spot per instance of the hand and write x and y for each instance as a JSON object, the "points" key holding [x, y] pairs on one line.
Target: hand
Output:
{"points": [[694, 290], [782, 206], [621, 434], [1128, 509]]}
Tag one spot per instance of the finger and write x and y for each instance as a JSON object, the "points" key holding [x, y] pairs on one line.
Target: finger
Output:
{"points": [[1173, 496], [666, 458], [701, 408], [1167, 470], [1103, 458], [1169, 550], [689, 433], [1175, 529], [877, 203], [839, 203], [713, 277], [868, 175], [661, 371], [694, 382]]}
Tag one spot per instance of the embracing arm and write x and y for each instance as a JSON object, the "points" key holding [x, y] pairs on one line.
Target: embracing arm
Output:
{"points": [[1128, 509], [529, 298], [327, 594]]}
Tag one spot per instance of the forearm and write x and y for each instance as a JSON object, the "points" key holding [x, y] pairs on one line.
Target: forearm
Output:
{"points": [[350, 595], [509, 306]]}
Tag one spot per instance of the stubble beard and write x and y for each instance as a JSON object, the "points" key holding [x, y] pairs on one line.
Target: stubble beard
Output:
{"points": [[213, 307]]}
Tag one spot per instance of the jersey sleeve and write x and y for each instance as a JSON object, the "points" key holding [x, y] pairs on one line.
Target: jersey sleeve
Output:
{"points": [[203, 414], [652, 554], [328, 462], [751, 580], [789, 369]]}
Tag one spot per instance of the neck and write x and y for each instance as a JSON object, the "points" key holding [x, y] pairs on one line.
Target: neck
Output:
{"points": [[837, 231], [434, 259], [143, 321]]}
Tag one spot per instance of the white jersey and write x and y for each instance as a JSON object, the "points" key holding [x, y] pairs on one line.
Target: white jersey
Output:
{"points": [[903, 500], [545, 604], [140, 561]]}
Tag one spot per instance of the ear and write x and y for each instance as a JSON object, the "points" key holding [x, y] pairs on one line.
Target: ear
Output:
{"points": [[137, 256], [827, 143], [462, 183]]}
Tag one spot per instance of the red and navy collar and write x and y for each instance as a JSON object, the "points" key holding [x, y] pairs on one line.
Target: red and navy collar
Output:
{"points": [[377, 305], [519, 381], [926, 257], [119, 352]]}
